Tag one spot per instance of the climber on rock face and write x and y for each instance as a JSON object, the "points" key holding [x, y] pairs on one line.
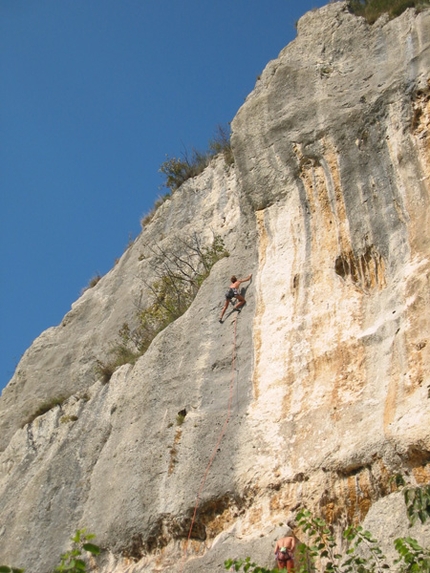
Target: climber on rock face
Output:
{"points": [[233, 292], [284, 552]]}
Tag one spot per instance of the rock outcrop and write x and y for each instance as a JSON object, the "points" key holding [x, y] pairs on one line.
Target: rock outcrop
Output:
{"points": [[316, 395]]}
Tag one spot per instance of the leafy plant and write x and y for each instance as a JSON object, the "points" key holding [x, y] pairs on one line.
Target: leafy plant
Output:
{"points": [[72, 561], [370, 558], [412, 556], [372, 9], [247, 565], [375, 560], [323, 545], [417, 500], [362, 553]]}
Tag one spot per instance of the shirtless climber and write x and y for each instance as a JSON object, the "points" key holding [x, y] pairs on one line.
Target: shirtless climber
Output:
{"points": [[284, 552], [233, 292]]}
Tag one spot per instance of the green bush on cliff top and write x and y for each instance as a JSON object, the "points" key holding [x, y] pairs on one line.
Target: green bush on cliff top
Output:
{"points": [[178, 170], [372, 9]]}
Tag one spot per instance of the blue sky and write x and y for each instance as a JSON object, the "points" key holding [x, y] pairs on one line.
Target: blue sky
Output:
{"points": [[93, 95]]}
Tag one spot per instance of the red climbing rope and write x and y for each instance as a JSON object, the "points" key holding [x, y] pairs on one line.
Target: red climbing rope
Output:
{"points": [[214, 451]]}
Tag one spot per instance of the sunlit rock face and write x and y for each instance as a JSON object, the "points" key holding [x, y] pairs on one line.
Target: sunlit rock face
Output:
{"points": [[340, 196], [315, 395]]}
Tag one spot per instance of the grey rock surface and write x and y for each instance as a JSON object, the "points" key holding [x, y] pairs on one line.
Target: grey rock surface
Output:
{"points": [[315, 395]]}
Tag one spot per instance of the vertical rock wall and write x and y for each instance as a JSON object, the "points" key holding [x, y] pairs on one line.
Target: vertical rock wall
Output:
{"points": [[341, 197], [316, 395]]}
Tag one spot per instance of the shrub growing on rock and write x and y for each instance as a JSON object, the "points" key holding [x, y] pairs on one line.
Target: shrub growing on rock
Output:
{"points": [[372, 9], [73, 561], [180, 272], [44, 407], [178, 170], [362, 552]]}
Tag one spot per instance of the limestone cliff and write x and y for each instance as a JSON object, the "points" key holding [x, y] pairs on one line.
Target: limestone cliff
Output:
{"points": [[323, 379]]}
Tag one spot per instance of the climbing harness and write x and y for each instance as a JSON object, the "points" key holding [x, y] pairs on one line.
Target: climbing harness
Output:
{"points": [[214, 451]]}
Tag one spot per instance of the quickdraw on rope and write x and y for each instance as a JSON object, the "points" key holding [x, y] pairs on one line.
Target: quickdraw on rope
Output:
{"points": [[214, 451]]}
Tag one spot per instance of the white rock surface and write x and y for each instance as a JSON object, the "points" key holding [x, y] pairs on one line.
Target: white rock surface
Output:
{"points": [[328, 394]]}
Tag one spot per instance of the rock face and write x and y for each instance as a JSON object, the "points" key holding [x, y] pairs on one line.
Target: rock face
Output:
{"points": [[316, 395]]}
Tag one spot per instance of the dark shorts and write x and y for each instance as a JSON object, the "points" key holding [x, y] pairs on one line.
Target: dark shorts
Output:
{"points": [[231, 293], [283, 557]]}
